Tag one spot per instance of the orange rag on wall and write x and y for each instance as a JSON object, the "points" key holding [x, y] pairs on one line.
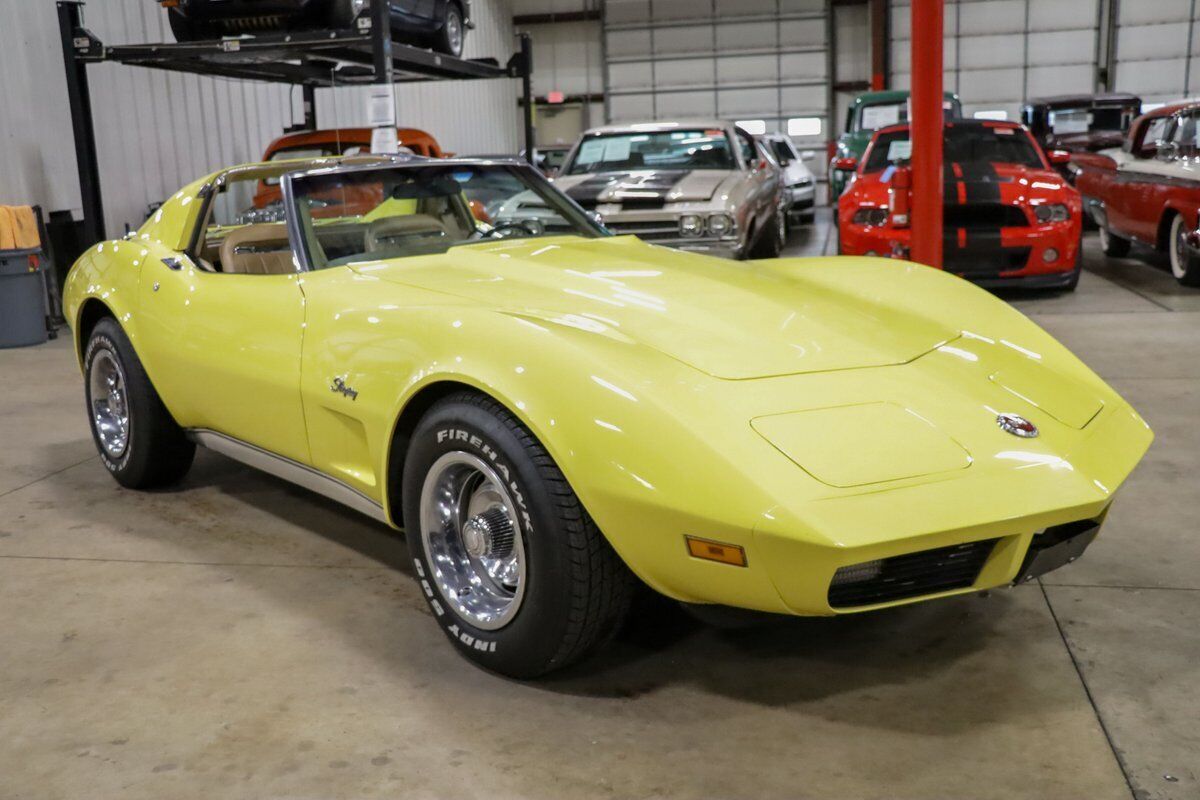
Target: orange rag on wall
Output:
{"points": [[18, 228]]}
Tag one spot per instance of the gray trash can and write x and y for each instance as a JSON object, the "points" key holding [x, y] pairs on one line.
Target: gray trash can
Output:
{"points": [[22, 300]]}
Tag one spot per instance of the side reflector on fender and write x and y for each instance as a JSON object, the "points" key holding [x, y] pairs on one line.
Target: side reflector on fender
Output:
{"points": [[716, 551]]}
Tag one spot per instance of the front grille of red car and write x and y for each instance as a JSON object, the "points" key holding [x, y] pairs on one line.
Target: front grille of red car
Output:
{"points": [[984, 215], [910, 575], [989, 264]]}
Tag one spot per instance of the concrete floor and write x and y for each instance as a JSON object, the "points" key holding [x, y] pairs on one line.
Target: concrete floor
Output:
{"points": [[238, 638]]}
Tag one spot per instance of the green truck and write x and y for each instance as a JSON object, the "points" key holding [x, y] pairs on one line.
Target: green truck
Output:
{"points": [[868, 113]]}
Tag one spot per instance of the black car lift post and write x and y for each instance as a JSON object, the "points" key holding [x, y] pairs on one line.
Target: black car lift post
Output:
{"points": [[303, 58], [80, 97]]}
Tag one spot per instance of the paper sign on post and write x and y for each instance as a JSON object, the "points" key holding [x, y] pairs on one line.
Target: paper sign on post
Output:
{"points": [[381, 115], [900, 150]]}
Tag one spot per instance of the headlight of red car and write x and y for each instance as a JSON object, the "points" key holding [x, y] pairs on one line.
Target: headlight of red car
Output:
{"points": [[870, 216], [1052, 212]]}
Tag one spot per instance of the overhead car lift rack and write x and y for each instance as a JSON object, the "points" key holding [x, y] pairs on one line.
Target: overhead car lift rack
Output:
{"points": [[309, 59]]}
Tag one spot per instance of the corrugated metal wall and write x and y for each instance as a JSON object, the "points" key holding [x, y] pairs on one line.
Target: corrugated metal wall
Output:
{"points": [[736, 59], [156, 131], [1157, 49], [998, 53]]}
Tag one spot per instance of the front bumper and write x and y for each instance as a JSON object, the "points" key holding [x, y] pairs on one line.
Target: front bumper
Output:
{"points": [[1003, 257], [663, 229], [1010, 493], [800, 202]]}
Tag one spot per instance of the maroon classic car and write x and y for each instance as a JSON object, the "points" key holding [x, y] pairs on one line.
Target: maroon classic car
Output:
{"points": [[1148, 190], [1085, 122]]}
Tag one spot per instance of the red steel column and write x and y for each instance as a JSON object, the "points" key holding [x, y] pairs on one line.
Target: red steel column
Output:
{"points": [[878, 15], [926, 124]]}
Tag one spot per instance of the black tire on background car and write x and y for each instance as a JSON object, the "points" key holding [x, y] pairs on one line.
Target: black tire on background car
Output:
{"points": [[1113, 245], [187, 29], [1185, 263], [138, 441], [769, 239], [524, 583], [449, 38], [344, 13], [1073, 281]]}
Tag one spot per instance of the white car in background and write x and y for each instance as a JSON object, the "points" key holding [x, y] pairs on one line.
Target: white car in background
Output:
{"points": [[799, 186]]}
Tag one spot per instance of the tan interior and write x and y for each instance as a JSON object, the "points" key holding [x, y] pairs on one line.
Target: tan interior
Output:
{"points": [[258, 250], [382, 233]]}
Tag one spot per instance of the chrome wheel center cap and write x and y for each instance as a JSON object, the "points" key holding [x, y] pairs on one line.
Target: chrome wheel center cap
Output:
{"points": [[475, 537], [488, 535]]}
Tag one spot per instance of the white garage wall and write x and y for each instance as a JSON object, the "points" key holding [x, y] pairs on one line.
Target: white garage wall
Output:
{"points": [[998, 53], [735, 59], [567, 58], [1157, 49], [156, 130]]}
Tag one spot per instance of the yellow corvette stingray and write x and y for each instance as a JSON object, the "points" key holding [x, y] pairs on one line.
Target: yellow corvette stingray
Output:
{"points": [[457, 349]]}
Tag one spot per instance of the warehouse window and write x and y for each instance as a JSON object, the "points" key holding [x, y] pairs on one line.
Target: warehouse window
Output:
{"points": [[996, 114], [804, 126], [756, 127]]}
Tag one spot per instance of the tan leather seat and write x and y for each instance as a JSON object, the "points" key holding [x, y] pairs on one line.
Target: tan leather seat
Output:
{"points": [[384, 234], [258, 250]]}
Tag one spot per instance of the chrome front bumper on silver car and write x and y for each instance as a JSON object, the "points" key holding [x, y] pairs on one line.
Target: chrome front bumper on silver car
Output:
{"points": [[666, 233]]}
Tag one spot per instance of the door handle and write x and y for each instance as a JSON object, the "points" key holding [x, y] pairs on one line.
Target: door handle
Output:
{"points": [[173, 263]]}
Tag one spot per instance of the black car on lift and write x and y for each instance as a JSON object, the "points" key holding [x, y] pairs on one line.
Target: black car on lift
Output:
{"points": [[440, 24]]}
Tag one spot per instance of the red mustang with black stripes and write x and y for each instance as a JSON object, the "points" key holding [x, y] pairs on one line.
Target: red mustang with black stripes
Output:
{"points": [[1010, 219]]}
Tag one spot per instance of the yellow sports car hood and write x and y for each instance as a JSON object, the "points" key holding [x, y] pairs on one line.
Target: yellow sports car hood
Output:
{"points": [[727, 319]]}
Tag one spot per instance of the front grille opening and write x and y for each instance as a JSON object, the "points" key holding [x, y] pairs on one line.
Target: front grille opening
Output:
{"points": [[984, 215], [973, 264], [910, 575]]}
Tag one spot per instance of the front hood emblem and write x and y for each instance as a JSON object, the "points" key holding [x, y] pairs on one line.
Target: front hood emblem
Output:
{"points": [[1017, 425]]}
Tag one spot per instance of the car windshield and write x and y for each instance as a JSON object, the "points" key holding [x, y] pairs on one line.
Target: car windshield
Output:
{"points": [[974, 144], [882, 115], [411, 210], [1113, 119], [783, 151], [676, 149]]}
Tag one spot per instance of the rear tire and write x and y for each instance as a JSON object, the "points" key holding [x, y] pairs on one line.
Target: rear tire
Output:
{"points": [[450, 37], [186, 29], [1185, 264], [138, 440], [525, 583], [1113, 245], [344, 14]]}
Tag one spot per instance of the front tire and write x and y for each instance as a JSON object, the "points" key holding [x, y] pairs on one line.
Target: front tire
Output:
{"points": [[514, 569], [139, 442], [1185, 265], [1113, 245], [771, 237]]}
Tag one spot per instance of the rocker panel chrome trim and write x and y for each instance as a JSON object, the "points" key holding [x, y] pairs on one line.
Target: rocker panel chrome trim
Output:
{"points": [[289, 470]]}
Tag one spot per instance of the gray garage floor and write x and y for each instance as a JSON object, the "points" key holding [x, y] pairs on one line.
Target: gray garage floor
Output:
{"points": [[237, 638]]}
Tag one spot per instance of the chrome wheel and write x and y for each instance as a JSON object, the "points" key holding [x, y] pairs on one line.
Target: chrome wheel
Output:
{"points": [[109, 403], [472, 537], [454, 32]]}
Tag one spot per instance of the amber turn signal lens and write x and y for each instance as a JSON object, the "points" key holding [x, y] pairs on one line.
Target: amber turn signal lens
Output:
{"points": [[716, 551]]}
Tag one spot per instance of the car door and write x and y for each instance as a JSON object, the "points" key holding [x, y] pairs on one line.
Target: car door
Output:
{"points": [[1131, 198], [762, 177], [223, 345]]}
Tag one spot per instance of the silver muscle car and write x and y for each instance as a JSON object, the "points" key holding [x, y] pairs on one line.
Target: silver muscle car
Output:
{"points": [[700, 185]]}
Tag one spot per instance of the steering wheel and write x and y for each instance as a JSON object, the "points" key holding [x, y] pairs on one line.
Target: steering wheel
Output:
{"points": [[507, 229]]}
